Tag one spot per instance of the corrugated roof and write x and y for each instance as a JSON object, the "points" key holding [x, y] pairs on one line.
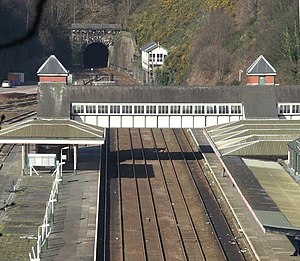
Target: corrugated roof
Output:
{"points": [[52, 66], [254, 137], [52, 131], [261, 67]]}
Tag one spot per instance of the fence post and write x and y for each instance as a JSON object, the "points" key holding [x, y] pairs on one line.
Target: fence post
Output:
{"points": [[49, 220]]}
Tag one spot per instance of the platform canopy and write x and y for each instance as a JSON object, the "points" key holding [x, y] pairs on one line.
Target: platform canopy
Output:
{"points": [[254, 137], [51, 131]]}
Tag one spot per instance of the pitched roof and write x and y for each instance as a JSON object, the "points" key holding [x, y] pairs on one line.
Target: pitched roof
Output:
{"points": [[261, 67], [151, 46], [52, 66], [51, 131], [254, 137]]}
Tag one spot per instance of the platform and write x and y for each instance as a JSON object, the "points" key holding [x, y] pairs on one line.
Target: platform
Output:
{"points": [[75, 215], [269, 196], [74, 234]]}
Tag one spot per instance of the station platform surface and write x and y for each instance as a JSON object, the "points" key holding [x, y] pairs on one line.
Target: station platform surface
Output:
{"points": [[74, 232], [270, 196], [73, 235], [25, 207]]}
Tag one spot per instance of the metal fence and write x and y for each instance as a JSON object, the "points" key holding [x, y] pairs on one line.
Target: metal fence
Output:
{"points": [[45, 229]]}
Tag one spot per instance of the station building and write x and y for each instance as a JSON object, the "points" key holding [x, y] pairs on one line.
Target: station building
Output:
{"points": [[238, 121], [52, 70], [261, 72]]}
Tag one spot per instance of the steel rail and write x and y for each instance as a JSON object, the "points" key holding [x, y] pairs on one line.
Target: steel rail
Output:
{"points": [[19, 118], [192, 225], [162, 254], [120, 200], [223, 231], [195, 186], [169, 197], [138, 198]]}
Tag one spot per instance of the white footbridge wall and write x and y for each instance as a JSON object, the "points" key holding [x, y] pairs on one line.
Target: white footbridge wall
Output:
{"points": [[160, 115]]}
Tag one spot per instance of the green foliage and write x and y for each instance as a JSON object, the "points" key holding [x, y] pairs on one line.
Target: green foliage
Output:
{"points": [[164, 77], [291, 47], [216, 4], [173, 23]]}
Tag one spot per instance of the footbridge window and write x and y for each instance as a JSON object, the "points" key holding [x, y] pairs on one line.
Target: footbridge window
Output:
{"points": [[288, 110], [139, 109], [164, 109], [90, 108], [284, 109], [102, 109], [236, 109], [151, 109], [175, 109], [78, 108], [127, 109], [115, 109], [296, 108], [187, 109], [211, 109], [199, 109], [223, 109]]}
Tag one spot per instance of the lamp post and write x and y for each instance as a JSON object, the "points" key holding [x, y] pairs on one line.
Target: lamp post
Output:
{"points": [[62, 158], [149, 66], [240, 73]]}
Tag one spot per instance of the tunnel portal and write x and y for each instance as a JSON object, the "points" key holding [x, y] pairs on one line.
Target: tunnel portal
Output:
{"points": [[95, 56]]}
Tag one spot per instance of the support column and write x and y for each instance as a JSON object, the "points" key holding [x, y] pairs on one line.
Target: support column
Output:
{"points": [[75, 157], [23, 159], [28, 149]]}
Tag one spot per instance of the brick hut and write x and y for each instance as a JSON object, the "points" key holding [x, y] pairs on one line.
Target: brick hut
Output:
{"points": [[53, 71], [261, 72]]}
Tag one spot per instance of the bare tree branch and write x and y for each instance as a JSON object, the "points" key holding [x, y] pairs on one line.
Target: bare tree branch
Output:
{"points": [[32, 31]]}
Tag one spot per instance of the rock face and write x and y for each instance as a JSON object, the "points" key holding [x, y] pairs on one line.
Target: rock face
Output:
{"points": [[124, 55]]}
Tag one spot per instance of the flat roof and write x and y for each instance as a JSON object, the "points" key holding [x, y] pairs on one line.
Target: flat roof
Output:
{"points": [[277, 192], [50, 131]]}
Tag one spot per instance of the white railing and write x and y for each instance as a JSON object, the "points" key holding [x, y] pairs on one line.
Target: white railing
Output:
{"points": [[45, 229]]}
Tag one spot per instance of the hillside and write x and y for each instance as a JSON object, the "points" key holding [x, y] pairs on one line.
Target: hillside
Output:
{"points": [[209, 40]]}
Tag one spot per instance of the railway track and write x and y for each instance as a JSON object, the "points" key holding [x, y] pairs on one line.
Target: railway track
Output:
{"points": [[12, 106], [16, 105], [20, 117], [7, 182], [159, 203]]}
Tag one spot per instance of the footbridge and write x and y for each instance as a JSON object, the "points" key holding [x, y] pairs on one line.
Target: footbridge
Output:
{"points": [[167, 106]]}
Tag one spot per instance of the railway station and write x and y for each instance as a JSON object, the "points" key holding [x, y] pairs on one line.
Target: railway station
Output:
{"points": [[245, 144]]}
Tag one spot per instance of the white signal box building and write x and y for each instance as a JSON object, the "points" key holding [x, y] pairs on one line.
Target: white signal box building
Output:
{"points": [[153, 56]]}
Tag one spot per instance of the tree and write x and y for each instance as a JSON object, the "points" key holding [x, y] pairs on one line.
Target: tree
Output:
{"points": [[214, 58]]}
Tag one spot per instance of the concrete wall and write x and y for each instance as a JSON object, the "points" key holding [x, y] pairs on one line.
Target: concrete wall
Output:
{"points": [[54, 101]]}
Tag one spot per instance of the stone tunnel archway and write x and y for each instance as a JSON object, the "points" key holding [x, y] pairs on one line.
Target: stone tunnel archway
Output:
{"points": [[95, 55]]}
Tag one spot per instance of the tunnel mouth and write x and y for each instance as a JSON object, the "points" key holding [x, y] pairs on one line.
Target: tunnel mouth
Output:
{"points": [[95, 56]]}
